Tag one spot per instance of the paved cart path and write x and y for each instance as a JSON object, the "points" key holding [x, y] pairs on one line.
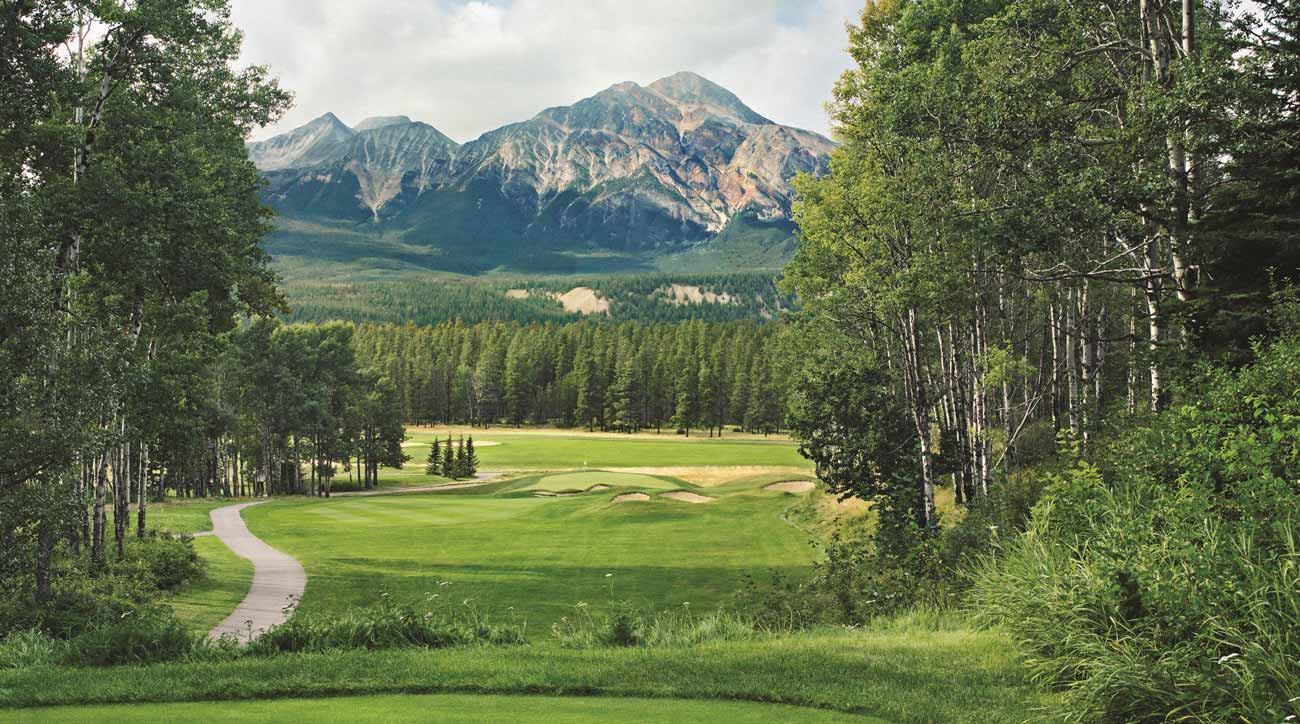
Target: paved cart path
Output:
{"points": [[278, 579]]}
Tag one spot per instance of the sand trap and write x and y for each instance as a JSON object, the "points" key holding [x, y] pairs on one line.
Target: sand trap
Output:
{"points": [[597, 488], [569, 493], [686, 497], [709, 476], [793, 486], [631, 498]]}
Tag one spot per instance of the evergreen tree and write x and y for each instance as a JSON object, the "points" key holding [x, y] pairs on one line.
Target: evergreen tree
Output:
{"points": [[461, 466], [433, 464], [627, 394], [471, 458], [449, 460]]}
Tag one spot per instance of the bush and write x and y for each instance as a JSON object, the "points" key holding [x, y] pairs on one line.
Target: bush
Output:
{"points": [[167, 562], [29, 649], [144, 636], [1164, 582], [78, 602], [388, 625]]}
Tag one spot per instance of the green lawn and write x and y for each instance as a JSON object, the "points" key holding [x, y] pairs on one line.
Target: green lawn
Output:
{"points": [[540, 556], [447, 709], [570, 482], [511, 554], [549, 450], [206, 602], [183, 516], [907, 675]]}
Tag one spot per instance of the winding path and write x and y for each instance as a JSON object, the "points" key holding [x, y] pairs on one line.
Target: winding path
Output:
{"points": [[278, 579]]}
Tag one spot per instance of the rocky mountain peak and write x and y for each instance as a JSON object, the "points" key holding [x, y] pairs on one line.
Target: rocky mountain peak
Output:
{"points": [[703, 95], [380, 122], [632, 168]]}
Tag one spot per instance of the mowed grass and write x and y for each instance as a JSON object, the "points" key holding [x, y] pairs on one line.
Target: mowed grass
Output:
{"points": [[555, 450], [537, 556], [572, 482], [183, 515], [206, 602], [911, 675], [443, 709]]}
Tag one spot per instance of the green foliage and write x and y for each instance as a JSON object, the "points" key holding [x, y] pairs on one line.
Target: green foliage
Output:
{"points": [[627, 376], [1164, 582], [625, 625], [29, 649], [166, 562], [144, 635], [389, 624], [84, 598], [471, 300]]}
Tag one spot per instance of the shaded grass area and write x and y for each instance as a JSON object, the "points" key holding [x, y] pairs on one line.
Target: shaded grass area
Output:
{"points": [[443, 708], [206, 602], [539, 556], [900, 675], [183, 516]]}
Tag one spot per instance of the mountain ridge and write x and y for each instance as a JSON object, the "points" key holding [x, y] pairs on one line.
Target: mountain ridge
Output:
{"points": [[633, 169]]}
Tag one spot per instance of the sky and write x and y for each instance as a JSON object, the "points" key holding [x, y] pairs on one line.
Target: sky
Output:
{"points": [[468, 66]]}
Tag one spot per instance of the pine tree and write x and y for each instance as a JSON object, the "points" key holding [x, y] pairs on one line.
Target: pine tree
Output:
{"points": [[461, 465], [433, 464], [471, 459], [449, 461]]}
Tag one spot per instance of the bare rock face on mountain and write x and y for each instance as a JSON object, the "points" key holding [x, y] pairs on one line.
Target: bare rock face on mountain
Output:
{"points": [[632, 168]]}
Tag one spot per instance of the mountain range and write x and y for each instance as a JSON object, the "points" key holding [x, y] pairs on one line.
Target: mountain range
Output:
{"points": [[633, 173]]}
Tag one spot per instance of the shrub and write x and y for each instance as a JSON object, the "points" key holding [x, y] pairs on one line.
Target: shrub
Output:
{"points": [[166, 561], [29, 649], [144, 636], [1164, 582], [388, 625]]}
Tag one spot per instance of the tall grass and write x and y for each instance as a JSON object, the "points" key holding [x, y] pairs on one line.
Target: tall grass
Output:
{"points": [[626, 625], [1190, 622], [389, 625]]}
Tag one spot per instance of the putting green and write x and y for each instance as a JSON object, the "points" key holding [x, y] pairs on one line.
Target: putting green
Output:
{"points": [[573, 482], [448, 709]]}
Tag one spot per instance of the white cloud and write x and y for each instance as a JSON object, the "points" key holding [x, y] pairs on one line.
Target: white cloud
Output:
{"points": [[469, 66]]}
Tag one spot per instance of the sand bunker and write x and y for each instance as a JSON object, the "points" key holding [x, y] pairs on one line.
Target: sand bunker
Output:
{"points": [[631, 498], [686, 497], [709, 476], [793, 486], [597, 488]]}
